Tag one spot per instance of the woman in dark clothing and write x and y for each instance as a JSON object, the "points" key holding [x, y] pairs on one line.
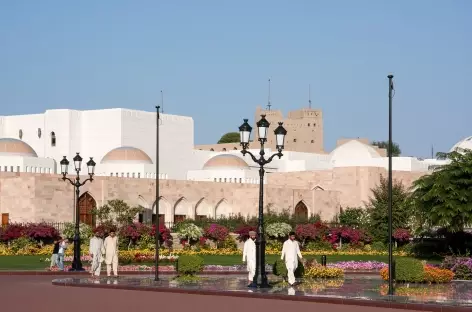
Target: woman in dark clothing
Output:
{"points": [[55, 251]]}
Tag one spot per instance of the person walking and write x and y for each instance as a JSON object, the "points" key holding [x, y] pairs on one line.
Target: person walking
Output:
{"points": [[61, 253], [249, 257], [291, 253], [95, 250], [111, 253], [54, 256]]}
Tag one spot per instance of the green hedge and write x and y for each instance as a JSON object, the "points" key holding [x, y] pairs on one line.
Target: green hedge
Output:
{"points": [[279, 269], [189, 265], [409, 270]]}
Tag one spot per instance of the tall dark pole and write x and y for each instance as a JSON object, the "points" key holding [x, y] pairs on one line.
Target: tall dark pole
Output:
{"points": [[156, 221], [77, 263], [260, 276], [390, 189]]}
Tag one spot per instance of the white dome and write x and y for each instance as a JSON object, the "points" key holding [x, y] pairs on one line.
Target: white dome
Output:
{"points": [[462, 145], [353, 151], [126, 154], [225, 162], [15, 147]]}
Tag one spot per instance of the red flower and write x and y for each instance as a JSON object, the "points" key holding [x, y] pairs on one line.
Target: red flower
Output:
{"points": [[401, 235], [216, 232], [243, 231]]}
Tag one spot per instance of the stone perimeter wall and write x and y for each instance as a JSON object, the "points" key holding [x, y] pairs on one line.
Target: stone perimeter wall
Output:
{"points": [[28, 197]]}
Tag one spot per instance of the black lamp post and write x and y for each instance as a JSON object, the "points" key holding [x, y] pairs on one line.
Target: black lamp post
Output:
{"points": [[260, 277], [156, 221], [391, 264], [76, 263]]}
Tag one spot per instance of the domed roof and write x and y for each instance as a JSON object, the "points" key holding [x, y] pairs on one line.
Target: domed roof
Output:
{"points": [[353, 150], [126, 154], [462, 145], [225, 161], [15, 147]]}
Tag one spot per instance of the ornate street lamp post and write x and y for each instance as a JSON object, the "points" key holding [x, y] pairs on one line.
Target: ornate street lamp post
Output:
{"points": [[76, 263], [260, 277]]}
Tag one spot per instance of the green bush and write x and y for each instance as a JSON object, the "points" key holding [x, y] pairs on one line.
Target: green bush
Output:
{"points": [[279, 269], [189, 265], [229, 243], [409, 270], [274, 244], [22, 243], [378, 246], [408, 248], [85, 232], [319, 245]]}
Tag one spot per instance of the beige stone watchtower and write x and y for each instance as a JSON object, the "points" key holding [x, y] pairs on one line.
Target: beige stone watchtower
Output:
{"points": [[304, 129]]}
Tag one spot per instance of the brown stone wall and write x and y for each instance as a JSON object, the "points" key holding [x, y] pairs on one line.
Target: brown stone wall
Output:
{"points": [[31, 197]]}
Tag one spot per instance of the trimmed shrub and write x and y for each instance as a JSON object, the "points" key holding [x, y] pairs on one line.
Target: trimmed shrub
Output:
{"points": [[279, 269], [414, 271], [409, 270], [189, 265]]}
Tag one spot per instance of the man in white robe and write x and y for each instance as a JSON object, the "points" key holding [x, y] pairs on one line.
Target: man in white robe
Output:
{"points": [[291, 253], [95, 250], [249, 256], [110, 247]]}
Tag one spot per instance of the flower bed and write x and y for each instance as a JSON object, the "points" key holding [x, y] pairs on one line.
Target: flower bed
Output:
{"points": [[358, 265], [47, 251], [460, 266], [414, 272]]}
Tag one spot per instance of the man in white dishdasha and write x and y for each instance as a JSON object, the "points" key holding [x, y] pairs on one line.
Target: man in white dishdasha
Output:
{"points": [[249, 256], [111, 253], [291, 253], [95, 250]]}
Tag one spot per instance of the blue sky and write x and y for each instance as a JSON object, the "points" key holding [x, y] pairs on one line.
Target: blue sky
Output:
{"points": [[213, 59]]}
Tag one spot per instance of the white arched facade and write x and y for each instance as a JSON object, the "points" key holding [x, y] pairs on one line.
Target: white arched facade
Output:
{"points": [[182, 209], [203, 209], [222, 209], [164, 209]]}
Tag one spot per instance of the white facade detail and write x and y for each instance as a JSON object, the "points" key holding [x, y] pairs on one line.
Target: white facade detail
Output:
{"points": [[123, 144]]}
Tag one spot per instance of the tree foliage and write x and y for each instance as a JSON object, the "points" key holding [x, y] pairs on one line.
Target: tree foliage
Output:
{"points": [[396, 151], [117, 211], [377, 208], [444, 198], [230, 137], [353, 217]]}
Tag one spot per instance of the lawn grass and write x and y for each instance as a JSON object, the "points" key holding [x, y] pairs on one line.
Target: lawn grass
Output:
{"points": [[34, 263]]}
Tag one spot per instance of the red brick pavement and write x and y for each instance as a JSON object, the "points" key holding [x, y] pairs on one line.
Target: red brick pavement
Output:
{"points": [[36, 293]]}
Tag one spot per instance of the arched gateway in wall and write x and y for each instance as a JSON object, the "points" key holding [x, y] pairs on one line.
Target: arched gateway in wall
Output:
{"points": [[86, 206], [301, 210]]}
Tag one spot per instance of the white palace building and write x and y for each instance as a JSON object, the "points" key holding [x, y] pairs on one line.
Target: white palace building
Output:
{"points": [[123, 144]]}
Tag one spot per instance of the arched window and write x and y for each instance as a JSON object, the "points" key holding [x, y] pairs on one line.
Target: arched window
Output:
{"points": [[235, 148], [53, 139], [20, 134], [39, 133], [211, 149], [224, 149]]}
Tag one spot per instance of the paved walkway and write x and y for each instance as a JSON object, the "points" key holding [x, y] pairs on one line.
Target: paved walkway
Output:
{"points": [[36, 293]]}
